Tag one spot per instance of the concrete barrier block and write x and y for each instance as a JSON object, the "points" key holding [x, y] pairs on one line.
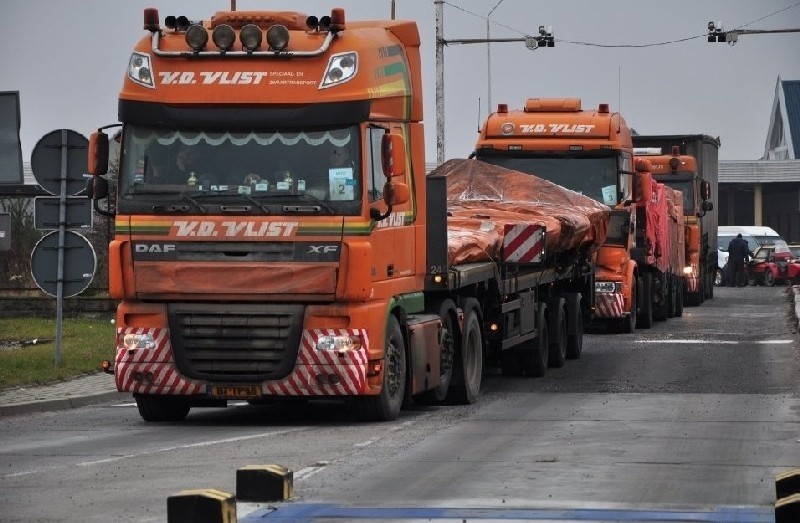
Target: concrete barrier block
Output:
{"points": [[787, 483], [787, 510], [201, 506], [263, 483]]}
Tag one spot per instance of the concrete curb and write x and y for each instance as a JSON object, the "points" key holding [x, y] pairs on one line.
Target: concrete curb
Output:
{"points": [[62, 404]]}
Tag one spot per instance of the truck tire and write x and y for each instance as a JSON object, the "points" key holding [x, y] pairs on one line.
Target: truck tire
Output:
{"points": [[161, 408], [660, 291], [446, 310], [672, 292], [468, 360], [536, 354], [645, 316], [386, 405], [627, 325], [574, 325], [511, 362], [557, 329]]}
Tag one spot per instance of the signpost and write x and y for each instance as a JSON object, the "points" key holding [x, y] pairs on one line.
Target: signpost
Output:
{"points": [[63, 262]]}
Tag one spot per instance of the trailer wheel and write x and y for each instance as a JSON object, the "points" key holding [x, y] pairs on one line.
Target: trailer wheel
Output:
{"points": [[679, 300], [645, 318], [161, 408], [574, 326], [536, 355], [558, 333], [468, 361], [446, 311], [386, 405], [672, 296], [511, 362]]}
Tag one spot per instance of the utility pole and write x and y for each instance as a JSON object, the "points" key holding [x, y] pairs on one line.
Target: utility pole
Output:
{"points": [[545, 39], [489, 58], [439, 81]]}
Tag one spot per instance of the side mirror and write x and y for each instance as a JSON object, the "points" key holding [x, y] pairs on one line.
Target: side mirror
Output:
{"points": [[642, 186], [393, 155], [96, 188], [395, 193], [98, 153], [707, 205], [705, 190]]}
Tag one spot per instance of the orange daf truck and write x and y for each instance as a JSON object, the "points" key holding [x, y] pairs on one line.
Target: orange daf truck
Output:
{"points": [[689, 163], [276, 236], [590, 152]]}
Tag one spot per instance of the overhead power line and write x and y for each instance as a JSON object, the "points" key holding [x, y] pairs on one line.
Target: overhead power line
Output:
{"points": [[594, 44]]}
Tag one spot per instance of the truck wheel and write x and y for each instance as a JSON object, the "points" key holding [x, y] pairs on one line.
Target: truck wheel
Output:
{"points": [[161, 408], [558, 333], [627, 325], [536, 354], [511, 362], [645, 318], [468, 361], [769, 278], [386, 405], [574, 326], [671, 296], [446, 311]]}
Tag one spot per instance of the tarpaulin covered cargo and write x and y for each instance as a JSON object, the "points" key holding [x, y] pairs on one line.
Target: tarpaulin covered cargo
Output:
{"points": [[483, 199], [661, 219]]}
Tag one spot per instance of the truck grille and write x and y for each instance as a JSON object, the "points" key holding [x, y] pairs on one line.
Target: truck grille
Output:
{"points": [[235, 342]]}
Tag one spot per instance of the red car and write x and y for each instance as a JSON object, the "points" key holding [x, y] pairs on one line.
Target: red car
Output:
{"points": [[773, 264]]}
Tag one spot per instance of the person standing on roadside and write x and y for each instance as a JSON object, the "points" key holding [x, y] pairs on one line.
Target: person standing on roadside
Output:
{"points": [[738, 254]]}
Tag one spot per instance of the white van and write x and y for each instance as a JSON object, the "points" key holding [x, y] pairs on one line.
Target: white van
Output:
{"points": [[755, 235]]}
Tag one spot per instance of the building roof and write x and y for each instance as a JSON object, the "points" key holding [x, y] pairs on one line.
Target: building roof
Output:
{"points": [[783, 133], [759, 171]]}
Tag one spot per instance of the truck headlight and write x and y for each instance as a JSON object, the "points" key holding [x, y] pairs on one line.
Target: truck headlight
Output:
{"points": [[607, 286], [341, 68], [139, 70], [335, 343], [139, 341]]}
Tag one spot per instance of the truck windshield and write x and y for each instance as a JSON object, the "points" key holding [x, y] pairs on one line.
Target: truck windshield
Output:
{"points": [[686, 187], [595, 177], [234, 167]]}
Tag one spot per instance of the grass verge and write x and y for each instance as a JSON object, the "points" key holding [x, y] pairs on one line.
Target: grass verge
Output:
{"points": [[23, 362]]}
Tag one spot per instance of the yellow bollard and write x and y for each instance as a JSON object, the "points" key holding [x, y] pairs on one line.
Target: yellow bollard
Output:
{"points": [[263, 483], [201, 506]]}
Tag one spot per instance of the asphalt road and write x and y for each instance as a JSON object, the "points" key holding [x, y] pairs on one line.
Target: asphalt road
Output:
{"points": [[690, 420]]}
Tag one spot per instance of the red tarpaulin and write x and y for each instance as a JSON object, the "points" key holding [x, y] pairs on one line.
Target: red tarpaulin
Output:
{"points": [[482, 199]]}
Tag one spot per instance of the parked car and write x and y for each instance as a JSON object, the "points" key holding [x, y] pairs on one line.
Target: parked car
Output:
{"points": [[755, 235], [772, 264], [795, 248]]}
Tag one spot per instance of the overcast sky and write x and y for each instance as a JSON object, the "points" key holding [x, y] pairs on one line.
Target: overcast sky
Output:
{"points": [[67, 59]]}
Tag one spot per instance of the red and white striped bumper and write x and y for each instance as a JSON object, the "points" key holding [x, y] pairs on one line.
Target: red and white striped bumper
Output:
{"points": [[609, 305], [151, 370], [316, 373], [324, 373]]}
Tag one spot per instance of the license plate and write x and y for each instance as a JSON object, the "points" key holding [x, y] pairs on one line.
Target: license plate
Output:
{"points": [[236, 391]]}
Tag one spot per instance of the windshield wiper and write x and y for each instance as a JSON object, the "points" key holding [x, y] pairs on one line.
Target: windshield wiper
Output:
{"points": [[319, 201], [197, 204]]}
